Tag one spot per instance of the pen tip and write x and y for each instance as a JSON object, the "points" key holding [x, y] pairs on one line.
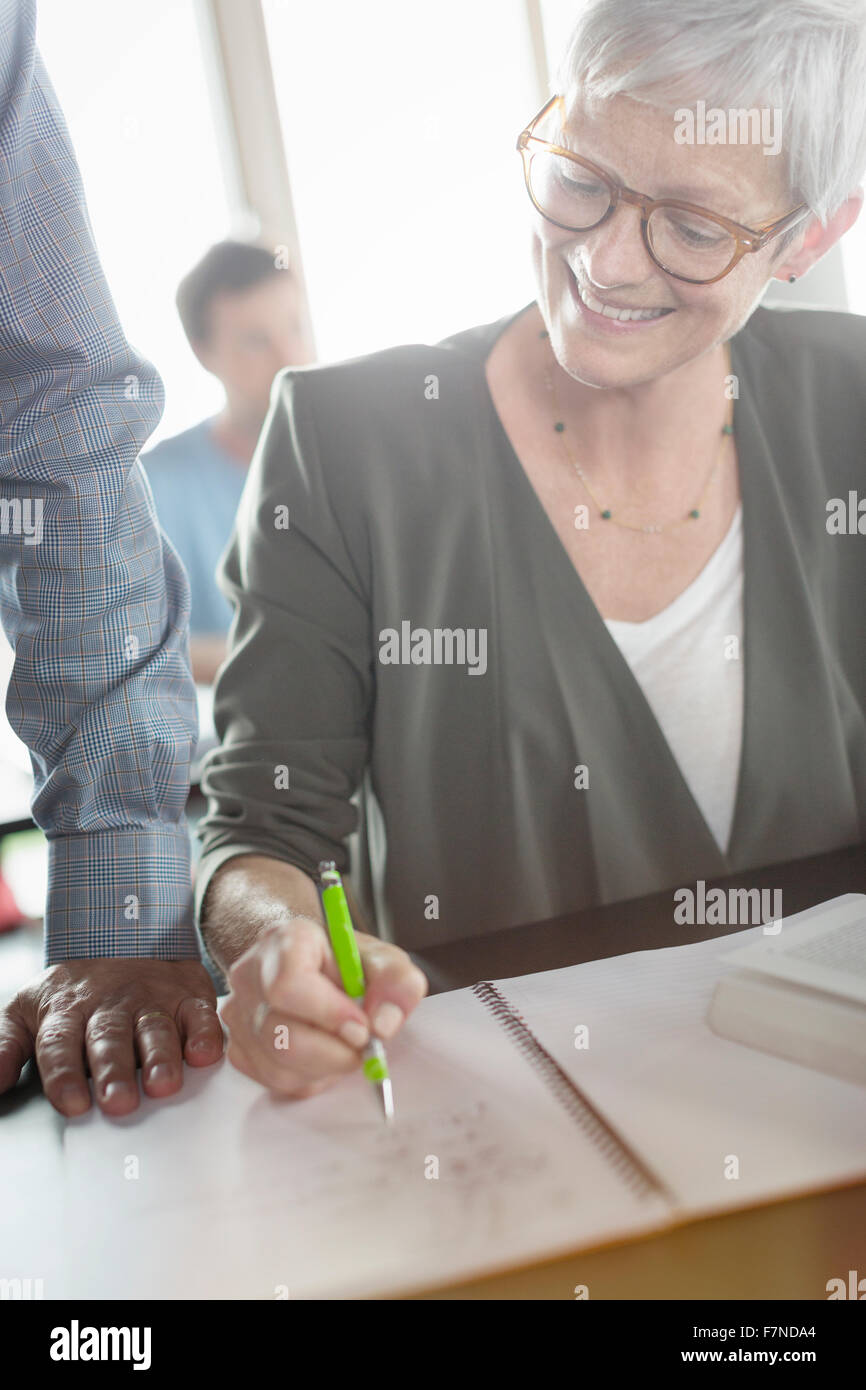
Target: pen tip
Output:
{"points": [[387, 1101]]}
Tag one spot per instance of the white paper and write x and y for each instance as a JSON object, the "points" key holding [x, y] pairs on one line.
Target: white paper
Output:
{"points": [[239, 1195], [225, 1192], [723, 1123]]}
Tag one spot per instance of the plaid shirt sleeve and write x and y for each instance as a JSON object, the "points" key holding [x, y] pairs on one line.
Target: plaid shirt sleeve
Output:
{"points": [[92, 596]]}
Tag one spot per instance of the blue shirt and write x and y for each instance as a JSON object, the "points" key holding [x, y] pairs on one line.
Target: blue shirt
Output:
{"points": [[92, 598], [196, 487]]}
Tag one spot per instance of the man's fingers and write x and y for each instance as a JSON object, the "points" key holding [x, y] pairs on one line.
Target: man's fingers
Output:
{"points": [[16, 1046], [59, 1054], [159, 1052], [108, 1041], [201, 1032], [105, 1014], [395, 986]]}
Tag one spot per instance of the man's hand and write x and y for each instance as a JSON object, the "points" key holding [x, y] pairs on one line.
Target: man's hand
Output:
{"points": [[108, 1015], [287, 985]]}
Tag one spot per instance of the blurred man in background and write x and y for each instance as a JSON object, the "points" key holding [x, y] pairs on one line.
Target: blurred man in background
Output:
{"points": [[241, 315]]}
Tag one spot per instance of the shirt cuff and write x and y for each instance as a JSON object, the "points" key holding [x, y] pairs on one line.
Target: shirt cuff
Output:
{"points": [[122, 892]]}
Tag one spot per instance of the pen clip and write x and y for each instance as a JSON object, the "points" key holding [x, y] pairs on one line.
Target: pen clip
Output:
{"points": [[328, 874]]}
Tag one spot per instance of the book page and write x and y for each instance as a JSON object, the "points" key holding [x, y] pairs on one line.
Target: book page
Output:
{"points": [[824, 951], [225, 1192], [725, 1124]]}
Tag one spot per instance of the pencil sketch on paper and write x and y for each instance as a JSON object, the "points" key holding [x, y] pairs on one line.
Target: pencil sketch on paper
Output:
{"points": [[451, 1173]]}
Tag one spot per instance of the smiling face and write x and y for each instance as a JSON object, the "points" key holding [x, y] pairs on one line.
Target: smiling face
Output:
{"points": [[578, 274]]}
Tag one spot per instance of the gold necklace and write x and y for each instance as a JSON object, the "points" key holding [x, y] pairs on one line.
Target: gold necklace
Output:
{"points": [[605, 512]]}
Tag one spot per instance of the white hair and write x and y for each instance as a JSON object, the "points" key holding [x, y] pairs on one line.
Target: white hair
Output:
{"points": [[806, 58]]}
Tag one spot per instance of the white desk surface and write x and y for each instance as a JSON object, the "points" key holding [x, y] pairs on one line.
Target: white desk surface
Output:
{"points": [[784, 1250]]}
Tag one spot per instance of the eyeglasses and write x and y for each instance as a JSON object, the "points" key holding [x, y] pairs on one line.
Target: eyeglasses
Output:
{"points": [[686, 241]]}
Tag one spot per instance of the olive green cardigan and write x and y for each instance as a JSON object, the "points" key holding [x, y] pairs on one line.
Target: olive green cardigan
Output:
{"points": [[384, 503]]}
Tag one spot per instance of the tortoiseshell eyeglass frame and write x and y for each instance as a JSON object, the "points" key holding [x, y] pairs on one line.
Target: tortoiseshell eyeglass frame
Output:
{"points": [[747, 239]]}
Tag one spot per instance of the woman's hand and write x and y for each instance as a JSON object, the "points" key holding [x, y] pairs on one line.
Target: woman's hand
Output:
{"points": [[292, 1026]]}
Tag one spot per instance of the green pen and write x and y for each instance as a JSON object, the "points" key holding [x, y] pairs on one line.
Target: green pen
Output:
{"points": [[348, 956]]}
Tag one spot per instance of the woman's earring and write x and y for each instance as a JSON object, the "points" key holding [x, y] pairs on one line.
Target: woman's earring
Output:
{"points": [[791, 279]]}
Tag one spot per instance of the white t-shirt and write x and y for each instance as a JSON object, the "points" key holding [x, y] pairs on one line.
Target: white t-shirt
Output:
{"points": [[688, 660]]}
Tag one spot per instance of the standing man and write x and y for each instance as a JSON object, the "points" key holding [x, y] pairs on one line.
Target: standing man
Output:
{"points": [[241, 316], [95, 605]]}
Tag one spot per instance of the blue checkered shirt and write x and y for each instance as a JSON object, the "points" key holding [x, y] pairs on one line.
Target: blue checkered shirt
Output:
{"points": [[92, 596]]}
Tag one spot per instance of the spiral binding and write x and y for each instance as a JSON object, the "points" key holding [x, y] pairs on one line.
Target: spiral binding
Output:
{"points": [[628, 1166]]}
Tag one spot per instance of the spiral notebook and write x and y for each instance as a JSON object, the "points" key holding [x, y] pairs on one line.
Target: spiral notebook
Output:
{"points": [[537, 1116]]}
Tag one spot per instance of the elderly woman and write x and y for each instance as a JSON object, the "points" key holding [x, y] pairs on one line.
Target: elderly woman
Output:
{"points": [[557, 611]]}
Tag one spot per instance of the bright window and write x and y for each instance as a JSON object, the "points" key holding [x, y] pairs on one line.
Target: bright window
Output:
{"points": [[131, 82], [399, 122]]}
